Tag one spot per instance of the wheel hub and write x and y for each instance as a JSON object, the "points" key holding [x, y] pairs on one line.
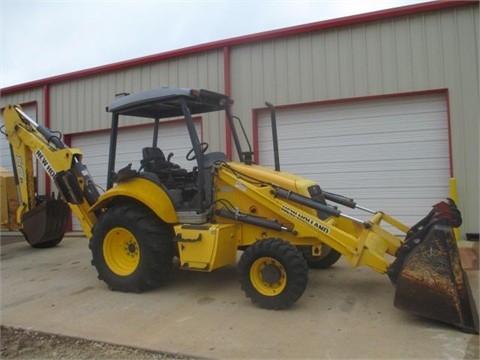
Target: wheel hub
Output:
{"points": [[270, 274], [131, 248], [121, 251]]}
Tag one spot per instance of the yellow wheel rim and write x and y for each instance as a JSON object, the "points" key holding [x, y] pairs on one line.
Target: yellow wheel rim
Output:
{"points": [[121, 251], [268, 276]]}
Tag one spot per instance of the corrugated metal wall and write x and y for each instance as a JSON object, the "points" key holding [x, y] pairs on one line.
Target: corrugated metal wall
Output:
{"points": [[434, 50]]}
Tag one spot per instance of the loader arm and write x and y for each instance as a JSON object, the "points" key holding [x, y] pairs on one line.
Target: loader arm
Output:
{"points": [[426, 269], [361, 243], [65, 168]]}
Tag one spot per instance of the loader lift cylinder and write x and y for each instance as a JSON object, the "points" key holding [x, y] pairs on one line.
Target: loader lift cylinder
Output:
{"points": [[288, 195], [343, 200], [254, 220]]}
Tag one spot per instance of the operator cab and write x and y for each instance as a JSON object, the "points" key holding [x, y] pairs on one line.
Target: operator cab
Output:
{"points": [[190, 191]]}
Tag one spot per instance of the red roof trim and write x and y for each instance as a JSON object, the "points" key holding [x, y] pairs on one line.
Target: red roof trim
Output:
{"points": [[289, 31]]}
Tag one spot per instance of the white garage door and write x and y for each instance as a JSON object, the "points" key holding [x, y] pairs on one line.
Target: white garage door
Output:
{"points": [[172, 137], [389, 154]]}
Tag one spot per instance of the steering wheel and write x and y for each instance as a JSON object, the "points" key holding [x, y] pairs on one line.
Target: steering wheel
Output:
{"points": [[191, 155]]}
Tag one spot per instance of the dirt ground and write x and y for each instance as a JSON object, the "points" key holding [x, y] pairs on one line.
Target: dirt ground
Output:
{"points": [[28, 344]]}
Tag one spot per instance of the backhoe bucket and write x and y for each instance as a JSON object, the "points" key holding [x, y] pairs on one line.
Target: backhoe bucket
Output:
{"points": [[428, 274], [45, 224]]}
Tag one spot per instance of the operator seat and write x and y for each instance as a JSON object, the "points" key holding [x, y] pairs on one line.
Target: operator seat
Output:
{"points": [[172, 175], [153, 160]]}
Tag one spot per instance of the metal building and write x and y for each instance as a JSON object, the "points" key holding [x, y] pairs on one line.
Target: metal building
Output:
{"points": [[382, 107]]}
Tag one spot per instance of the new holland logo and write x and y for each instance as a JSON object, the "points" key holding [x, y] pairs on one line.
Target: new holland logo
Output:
{"points": [[48, 168], [307, 220]]}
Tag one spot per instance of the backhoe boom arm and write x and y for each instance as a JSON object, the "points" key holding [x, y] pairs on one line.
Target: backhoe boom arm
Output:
{"points": [[64, 165]]}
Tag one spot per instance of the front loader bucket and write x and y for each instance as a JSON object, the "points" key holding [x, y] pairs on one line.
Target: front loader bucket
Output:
{"points": [[45, 224], [430, 280]]}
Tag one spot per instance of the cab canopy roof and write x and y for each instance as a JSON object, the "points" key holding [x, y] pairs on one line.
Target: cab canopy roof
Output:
{"points": [[167, 102]]}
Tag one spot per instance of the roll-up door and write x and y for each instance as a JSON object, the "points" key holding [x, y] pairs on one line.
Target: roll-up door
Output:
{"points": [[389, 154], [172, 138]]}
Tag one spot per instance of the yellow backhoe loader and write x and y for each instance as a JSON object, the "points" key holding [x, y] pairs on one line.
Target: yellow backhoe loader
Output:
{"points": [[283, 224]]}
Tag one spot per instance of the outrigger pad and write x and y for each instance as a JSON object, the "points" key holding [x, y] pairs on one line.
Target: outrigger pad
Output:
{"points": [[432, 283], [46, 222]]}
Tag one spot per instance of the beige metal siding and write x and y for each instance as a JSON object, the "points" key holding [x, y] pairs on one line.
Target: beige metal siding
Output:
{"points": [[399, 55], [434, 50]]}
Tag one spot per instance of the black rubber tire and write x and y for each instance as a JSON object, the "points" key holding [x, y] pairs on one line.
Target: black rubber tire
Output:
{"points": [[154, 244], [47, 244], [324, 261], [294, 267]]}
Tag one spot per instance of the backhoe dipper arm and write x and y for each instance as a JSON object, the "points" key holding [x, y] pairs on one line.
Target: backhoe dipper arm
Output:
{"points": [[62, 164]]}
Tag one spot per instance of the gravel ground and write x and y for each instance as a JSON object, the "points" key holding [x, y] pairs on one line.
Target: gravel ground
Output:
{"points": [[29, 344]]}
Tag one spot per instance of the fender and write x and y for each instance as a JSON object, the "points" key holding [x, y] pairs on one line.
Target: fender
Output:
{"points": [[145, 191]]}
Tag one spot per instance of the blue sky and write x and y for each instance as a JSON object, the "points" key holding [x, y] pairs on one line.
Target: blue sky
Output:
{"points": [[40, 38]]}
